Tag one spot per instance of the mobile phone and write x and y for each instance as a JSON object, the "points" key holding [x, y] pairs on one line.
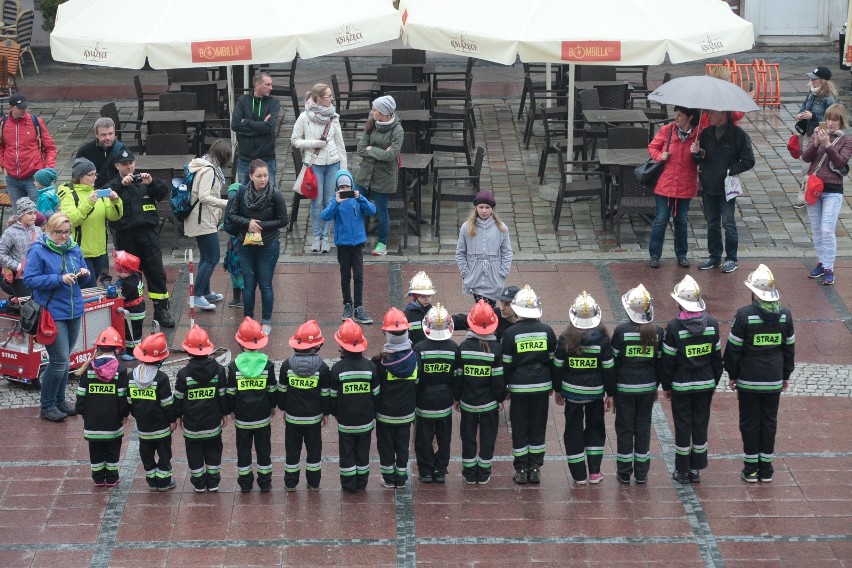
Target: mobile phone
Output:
{"points": [[347, 194], [105, 192], [822, 125]]}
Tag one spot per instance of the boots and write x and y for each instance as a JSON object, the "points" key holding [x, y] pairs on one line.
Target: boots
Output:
{"points": [[237, 302], [161, 313]]}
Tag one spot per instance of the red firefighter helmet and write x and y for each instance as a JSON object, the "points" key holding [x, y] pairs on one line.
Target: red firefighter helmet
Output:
{"points": [[153, 349], [197, 342], [307, 336], [394, 320], [482, 319], [109, 338], [350, 336], [250, 335], [124, 261]]}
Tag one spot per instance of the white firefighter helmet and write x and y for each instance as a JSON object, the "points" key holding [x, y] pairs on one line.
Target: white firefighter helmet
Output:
{"points": [[637, 304], [526, 304], [762, 283], [421, 284], [438, 324], [585, 313], [688, 295]]}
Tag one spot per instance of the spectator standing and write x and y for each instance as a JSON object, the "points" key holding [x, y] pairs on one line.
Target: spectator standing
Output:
{"points": [[14, 244], [822, 93], [254, 121], [45, 182], [103, 151]]}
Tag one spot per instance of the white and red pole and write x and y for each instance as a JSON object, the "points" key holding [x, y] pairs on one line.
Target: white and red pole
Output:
{"points": [[187, 257]]}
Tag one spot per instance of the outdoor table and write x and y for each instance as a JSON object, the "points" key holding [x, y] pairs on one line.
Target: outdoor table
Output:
{"points": [[583, 85], [418, 118], [615, 116], [161, 167], [220, 85], [194, 117], [418, 164]]}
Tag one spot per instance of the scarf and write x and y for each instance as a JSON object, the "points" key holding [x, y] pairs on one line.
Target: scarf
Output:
{"points": [[318, 113], [773, 307], [472, 335], [144, 375], [386, 126], [396, 342], [694, 322], [60, 249], [255, 199], [682, 136], [105, 366], [217, 169]]}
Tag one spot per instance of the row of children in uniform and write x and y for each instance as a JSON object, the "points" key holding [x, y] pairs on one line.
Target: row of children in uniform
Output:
{"points": [[421, 374]]}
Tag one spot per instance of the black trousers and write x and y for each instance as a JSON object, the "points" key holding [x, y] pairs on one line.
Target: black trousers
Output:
{"points": [[261, 438], [156, 456], [691, 413], [104, 456], [758, 424], [633, 433], [295, 435], [429, 460], [351, 261], [528, 414], [478, 463], [585, 436], [354, 460], [133, 326], [145, 244], [392, 441], [204, 458]]}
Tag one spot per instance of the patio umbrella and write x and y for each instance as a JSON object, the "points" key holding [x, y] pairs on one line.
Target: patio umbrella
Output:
{"points": [[704, 92]]}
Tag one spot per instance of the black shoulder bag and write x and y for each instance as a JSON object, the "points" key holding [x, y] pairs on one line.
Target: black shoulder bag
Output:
{"points": [[649, 172]]}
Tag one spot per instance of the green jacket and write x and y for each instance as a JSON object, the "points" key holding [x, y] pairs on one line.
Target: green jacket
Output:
{"points": [[89, 219], [378, 170]]}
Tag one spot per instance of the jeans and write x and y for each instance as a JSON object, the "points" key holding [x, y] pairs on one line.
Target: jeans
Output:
{"points": [[666, 207], [18, 188], [823, 215], [208, 249], [243, 171], [97, 266], [351, 261], [258, 266], [54, 380], [325, 183], [719, 213], [381, 200]]}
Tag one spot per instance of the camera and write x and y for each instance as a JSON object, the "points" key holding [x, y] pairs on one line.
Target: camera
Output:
{"points": [[137, 178]]}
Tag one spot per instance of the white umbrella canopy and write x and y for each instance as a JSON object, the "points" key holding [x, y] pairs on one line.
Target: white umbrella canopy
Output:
{"points": [[181, 33]]}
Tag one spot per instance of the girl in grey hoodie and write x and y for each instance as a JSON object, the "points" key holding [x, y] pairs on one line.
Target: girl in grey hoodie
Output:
{"points": [[15, 243], [484, 252]]}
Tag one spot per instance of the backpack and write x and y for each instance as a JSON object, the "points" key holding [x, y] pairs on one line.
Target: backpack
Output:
{"points": [[37, 126], [181, 201], [233, 205]]}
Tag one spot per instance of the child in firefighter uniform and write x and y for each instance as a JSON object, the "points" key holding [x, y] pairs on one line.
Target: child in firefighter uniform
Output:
{"points": [[584, 383], [759, 358], [636, 348], [133, 291], [420, 290], [101, 401], [150, 401], [353, 386], [437, 363], [397, 371], [689, 372], [528, 348], [201, 405], [252, 392], [303, 395], [479, 391]]}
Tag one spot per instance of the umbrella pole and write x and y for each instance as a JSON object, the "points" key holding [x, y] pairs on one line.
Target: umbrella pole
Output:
{"points": [[548, 82], [230, 72], [569, 143]]}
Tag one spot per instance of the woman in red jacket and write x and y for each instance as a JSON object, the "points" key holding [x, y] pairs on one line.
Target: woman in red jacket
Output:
{"points": [[678, 183]]}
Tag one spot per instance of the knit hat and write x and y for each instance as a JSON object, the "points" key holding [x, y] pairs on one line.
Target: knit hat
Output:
{"points": [[82, 166], [485, 197], [40, 219], [24, 205], [385, 105], [46, 176], [343, 178], [233, 188]]}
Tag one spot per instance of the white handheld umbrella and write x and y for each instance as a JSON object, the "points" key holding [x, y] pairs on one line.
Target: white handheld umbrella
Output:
{"points": [[704, 92]]}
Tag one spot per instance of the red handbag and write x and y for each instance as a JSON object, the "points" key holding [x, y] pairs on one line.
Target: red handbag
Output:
{"points": [[794, 146], [46, 333], [813, 189], [310, 186]]}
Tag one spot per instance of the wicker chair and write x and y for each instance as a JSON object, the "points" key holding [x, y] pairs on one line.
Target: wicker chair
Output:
{"points": [[537, 97], [24, 36], [614, 96], [533, 70], [365, 93], [621, 137], [595, 73], [455, 183], [407, 55], [555, 122], [178, 101], [590, 184], [406, 100], [186, 75], [166, 144], [631, 197], [143, 96], [450, 133]]}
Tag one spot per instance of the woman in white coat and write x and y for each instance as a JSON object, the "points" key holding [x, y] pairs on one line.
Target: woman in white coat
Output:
{"points": [[317, 134], [207, 212]]}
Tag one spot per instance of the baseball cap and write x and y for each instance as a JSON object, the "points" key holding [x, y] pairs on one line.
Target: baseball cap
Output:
{"points": [[818, 73], [509, 293], [125, 156], [18, 100]]}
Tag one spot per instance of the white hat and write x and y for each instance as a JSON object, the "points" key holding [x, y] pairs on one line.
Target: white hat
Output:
{"points": [[585, 313], [421, 284], [526, 304], [762, 283], [637, 304], [438, 324], [688, 295]]}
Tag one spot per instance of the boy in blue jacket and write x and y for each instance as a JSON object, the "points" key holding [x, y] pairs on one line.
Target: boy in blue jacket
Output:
{"points": [[348, 208]]}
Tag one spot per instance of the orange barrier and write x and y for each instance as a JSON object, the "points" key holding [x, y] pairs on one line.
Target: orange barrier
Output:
{"points": [[761, 77]]}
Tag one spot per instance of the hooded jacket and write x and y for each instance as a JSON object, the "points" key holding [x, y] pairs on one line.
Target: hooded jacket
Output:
{"points": [[101, 400], [761, 349], [252, 390], [379, 168], [200, 398], [480, 385], [151, 402], [46, 264], [209, 208], [589, 375], [485, 259], [304, 391], [354, 387], [397, 397], [437, 366], [14, 244], [20, 155], [636, 368], [89, 219], [528, 347], [692, 355], [348, 216], [256, 137]]}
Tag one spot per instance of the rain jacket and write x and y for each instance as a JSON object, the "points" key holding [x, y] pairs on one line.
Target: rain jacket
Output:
{"points": [[485, 259], [379, 168], [46, 264], [348, 216], [679, 179], [89, 219], [20, 155]]}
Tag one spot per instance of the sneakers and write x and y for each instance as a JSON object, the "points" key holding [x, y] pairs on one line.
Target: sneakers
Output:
{"points": [[172, 484], [361, 315], [534, 476], [654, 262], [683, 262], [439, 477], [729, 266], [388, 482], [235, 303], [623, 478], [425, 478], [54, 415], [595, 478], [400, 482], [315, 247], [112, 483], [483, 478], [817, 271], [694, 476], [765, 478], [828, 277], [67, 408], [580, 481], [326, 245], [199, 489], [680, 476], [380, 250], [202, 303], [641, 480], [310, 487], [709, 263], [266, 328], [748, 476], [213, 297], [470, 480], [520, 477], [100, 483], [347, 312]]}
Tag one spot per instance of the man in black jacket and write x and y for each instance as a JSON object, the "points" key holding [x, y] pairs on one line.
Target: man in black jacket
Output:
{"points": [[103, 150], [254, 121], [723, 149], [136, 231]]}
